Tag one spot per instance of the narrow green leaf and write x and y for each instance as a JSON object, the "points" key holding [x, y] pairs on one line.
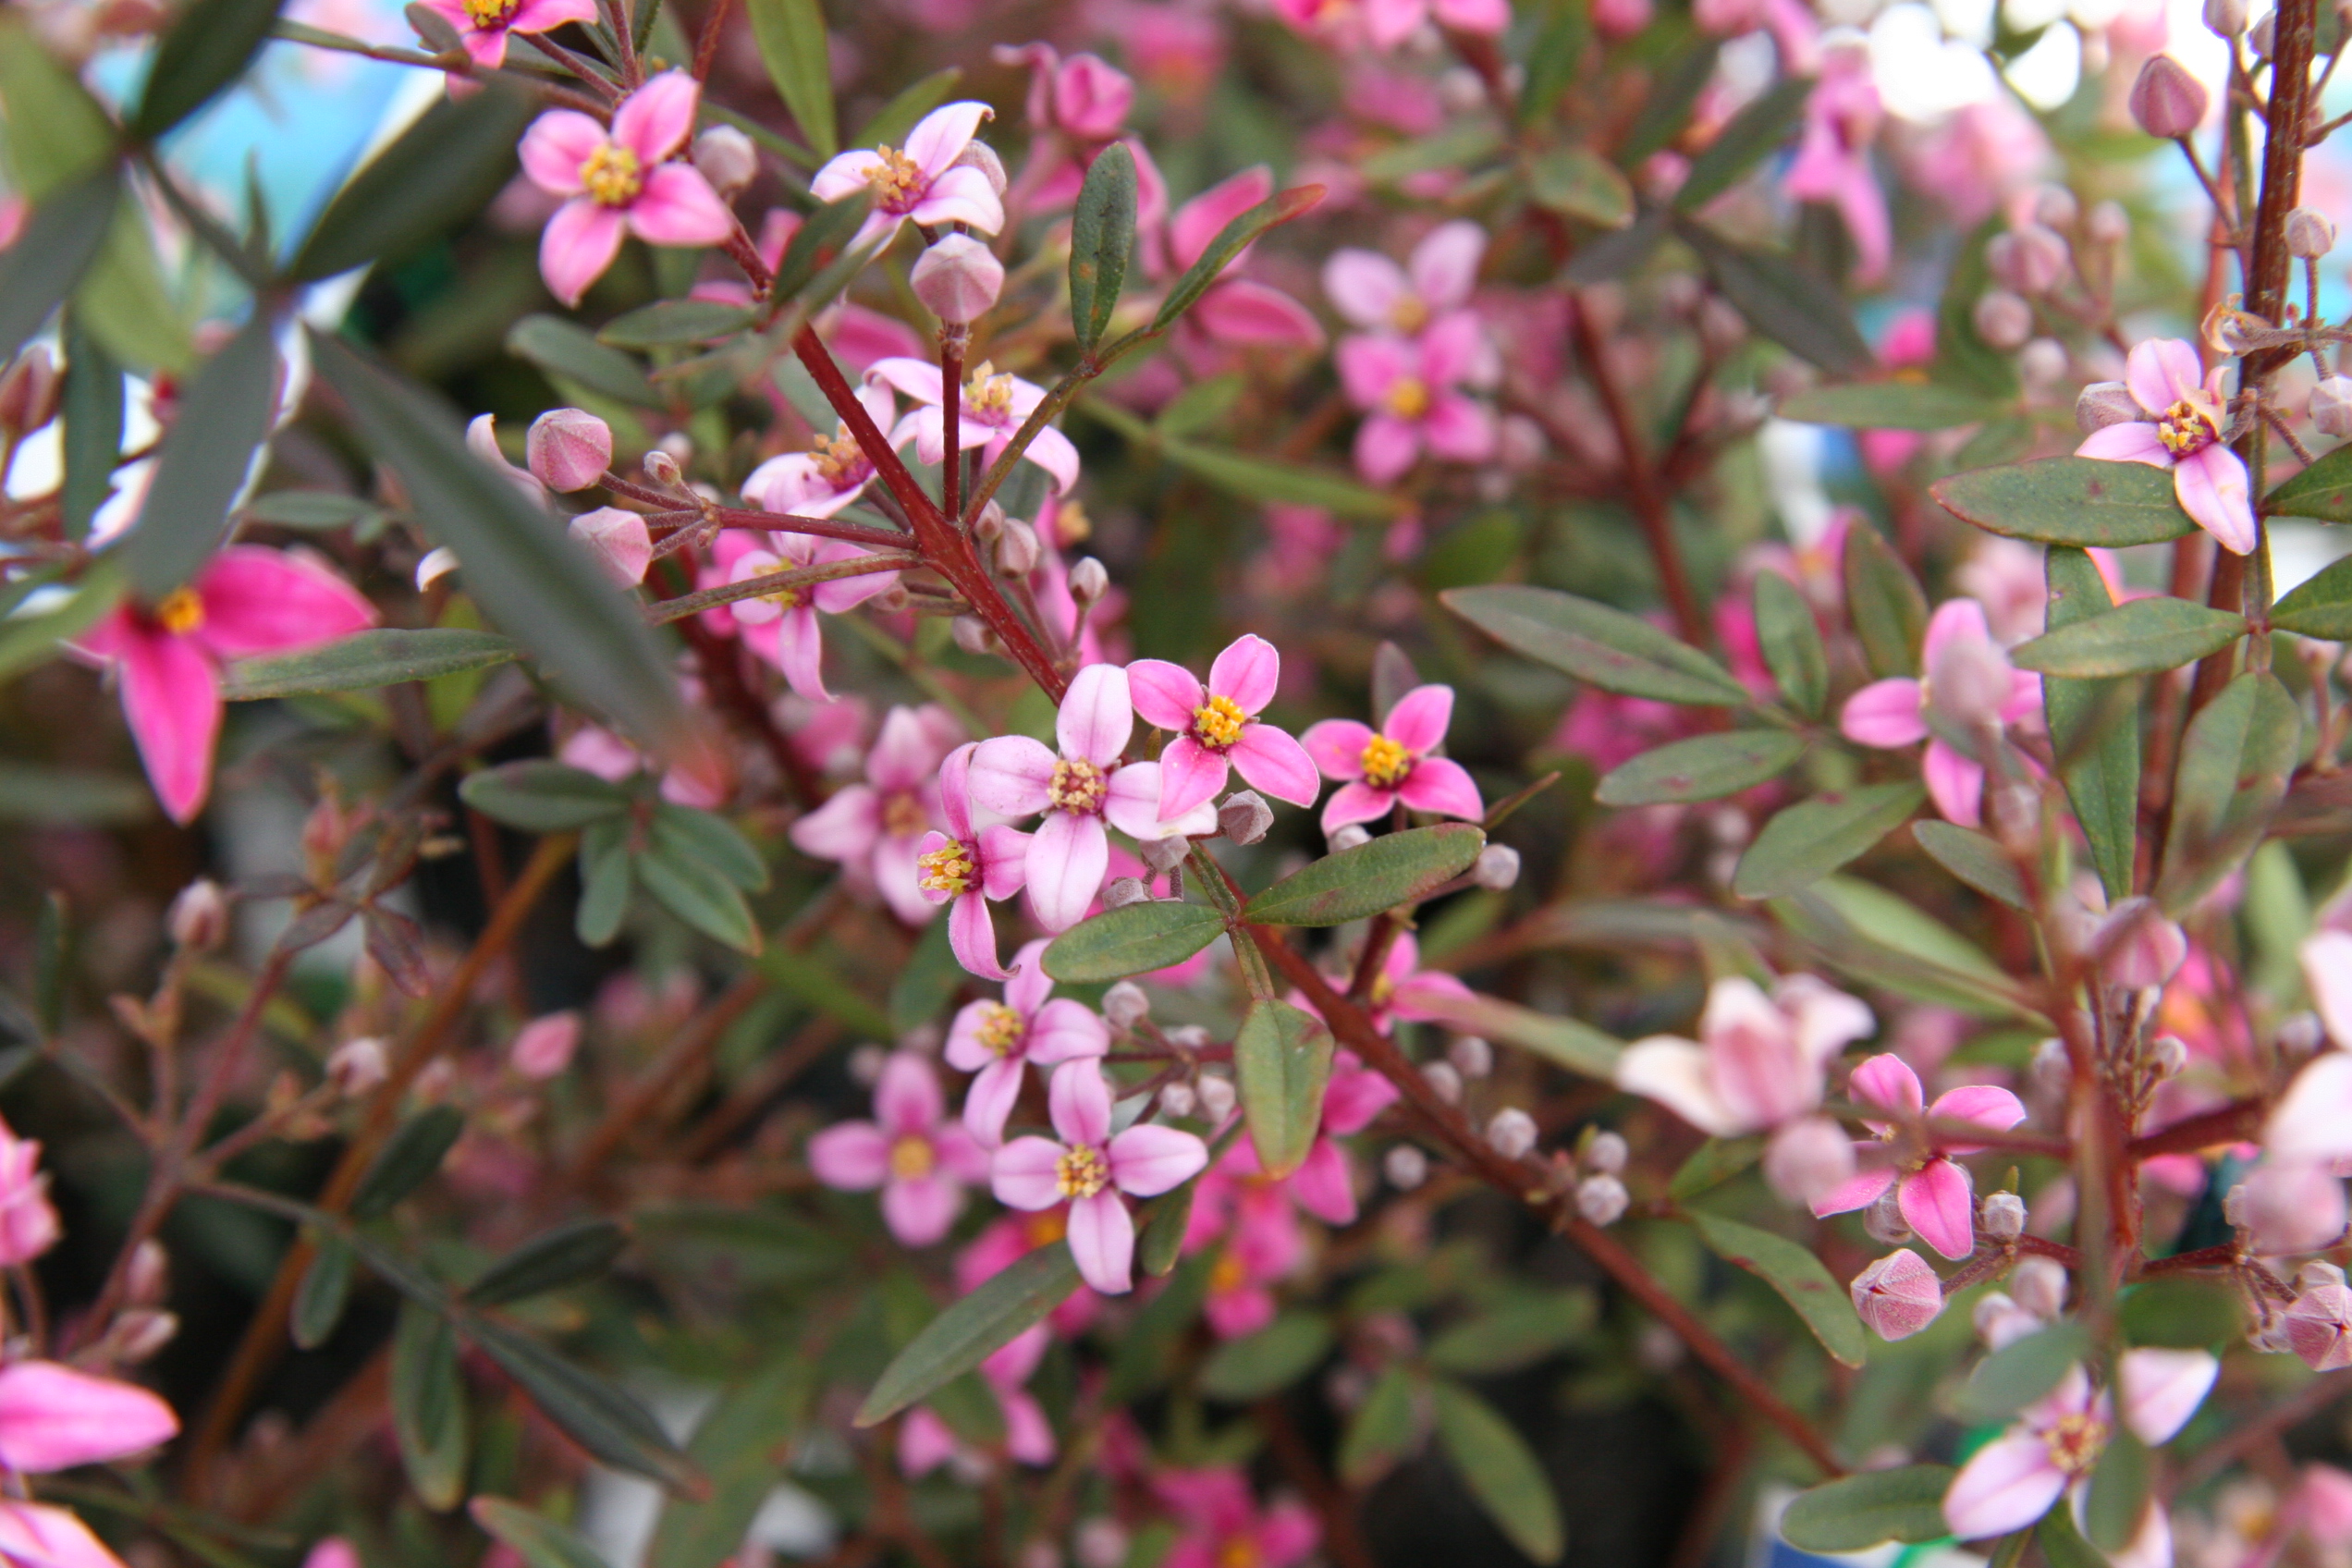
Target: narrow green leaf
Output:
{"points": [[2068, 501], [1784, 299], [2094, 729], [2143, 637], [1858, 1512], [2062, 1545], [604, 1419], [2020, 1372], [535, 1537], [1791, 640], [539, 796], [1151, 1348], [2236, 758], [1613, 256], [2181, 1314], [1273, 1358], [698, 894], [28, 640], [1552, 62], [1705, 768], [122, 298], [1565, 1042], [2322, 491], [1514, 1332], [1131, 940], [1751, 135], [1280, 208], [790, 34], [1266, 479], [435, 175], [406, 1161], [321, 510], [1666, 108], [1888, 606], [2321, 606], [1500, 1471], [429, 1405], [1102, 236], [667, 322], [1577, 182], [57, 131], [973, 1329], [1161, 1243], [569, 351], [366, 660], [1806, 841], [743, 1445], [1825, 1306], [713, 840], [1382, 1429], [205, 456], [1711, 1164], [1282, 1064], [2117, 1504], [1893, 405], [608, 876], [208, 47], [820, 245], [549, 1261], [1874, 937], [1393, 870], [325, 1289], [1976, 858], [927, 983], [93, 405], [60, 239], [1607, 647], [35, 792]]}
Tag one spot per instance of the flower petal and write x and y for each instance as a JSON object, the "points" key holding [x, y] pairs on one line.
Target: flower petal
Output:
{"points": [[1355, 803], [940, 137], [2130, 442], [53, 1417], [851, 1155], [1011, 774], [906, 1097], [1097, 716], [2162, 1388], [259, 601], [1673, 1072], [919, 1211], [1025, 1174], [1063, 1029], [1246, 672], [578, 244], [1324, 1185], [1885, 713], [1936, 1201], [1068, 857], [1272, 762], [678, 207], [1190, 773], [1445, 264], [1147, 1159], [1165, 694], [2214, 488], [2160, 371], [1443, 786], [171, 700], [2007, 1484], [555, 147], [1366, 287], [1079, 1101], [1337, 747], [1419, 719], [1102, 1238], [655, 120], [1864, 1188]]}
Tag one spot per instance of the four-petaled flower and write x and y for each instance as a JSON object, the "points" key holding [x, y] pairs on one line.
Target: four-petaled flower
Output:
{"points": [[926, 1443], [2183, 432], [1377, 769], [875, 828], [1217, 728], [921, 184], [483, 25], [781, 625], [1224, 1527], [1408, 389], [920, 1159], [834, 471], [1387, 23], [1379, 296], [994, 1039], [1078, 792], [1759, 1060], [621, 180], [1324, 1185], [1932, 1188], [994, 404], [967, 867], [1089, 1169], [1966, 679]]}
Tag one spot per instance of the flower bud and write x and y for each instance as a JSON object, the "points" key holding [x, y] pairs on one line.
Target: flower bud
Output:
{"points": [[1605, 1152], [2293, 1206], [2103, 403], [1091, 97], [1348, 838], [434, 565], [2167, 1056], [1126, 1005], [140, 1333], [357, 1067], [662, 469], [1471, 1056], [2054, 207], [866, 1064], [1898, 1295], [980, 155], [989, 525], [2001, 1322], [1511, 1133], [1016, 550], [198, 917], [1497, 868], [1164, 855], [2040, 1285], [2031, 260], [1405, 1167], [958, 279], [569, 448], [2042, 364], [619, 541], [1244, 817], [1884, 1222], [2319, 1328], [545, 1046], [1102, 1543], [2262, 37], [1601, 1200], [1178, 1099], [2136, 947], [2003, 1218], [1089, 581], [2332, 405], [726, 158], [1441, 1077], [1126, 890], [1808, 1158], [29, 392], [2003, 320], [1216, 1095], [2108, 224], [971, 635], [2309, 234], [2166, 101], [2318, 1272], [2227, 18], [2233, 1206]]}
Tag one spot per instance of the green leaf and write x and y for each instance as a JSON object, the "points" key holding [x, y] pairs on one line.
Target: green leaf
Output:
{"points": [[122, 298], [2020, 1372], [790, 34], [2321, 606], [1806, 841], [2094, 729], [2180, 1314], [569, 351], [206, 455], [1754, 133], [207, 48], [539, 796], [1283, 1064], [1888, 608], [1791, 640], [28, 640], [973, 1329], [535, 1537], [366, 660], [1613, 256], [1976, 858], [1861, 1512], [539, 587], [35, 792], [1131, 940], [817, 979], [2236, 758], [1579, 1047], [438, 173], [1705, 768], [608, 876], [325, 1289], [1161, 1243], [1606, 647], [406, 1161], [1502, 1473], [1893, 405], [2117, 1504], [1151, 1348], [60, 239], [820, 245], [1382, 1429], [2143, 637], [2068, 501], [743, 1445], [1784, 299], [57, 131], [429, 1405], [1280, 208], [1876, 937], [1825, 1306], [713, 840], [1711, 1164], [894, 119], [2062, 1545], [1515, 1332], [319, 510], [1551, 63], [1264, 479], [930, 980], [1102, 236], [667, 322], [2322, 490], [697, 893], [549, 1261], [604, 1419], [1391, 871], [1276, 1356], [1577, 182], [1666, 108], [93, 407], [1892, 921]]}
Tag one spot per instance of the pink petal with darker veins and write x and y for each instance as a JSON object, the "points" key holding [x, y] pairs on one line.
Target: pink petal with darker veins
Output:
{"points": [[1983, 1104], [545, 16], [1097, 716], [1864, 1188], [2130, 442], [1886, 1082], [678, 207], [1148, 1160], [259, 601], [1102, 1240], [1247, 672], [1079, 1103], [1004, 861], [2161, 372], [2214, 488], [579, 243], [655, 120], [940, 137], [961, 195], [1189, 773], [1011, 774], [1068, 858]]}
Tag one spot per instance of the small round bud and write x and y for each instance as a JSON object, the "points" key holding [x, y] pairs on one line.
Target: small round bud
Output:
{"points": [[2108, 224], [2003, 320], [1441, 1076], [1511, 1133], [1102, 1543], [198, 917], [29, 392], [1471, 1056], [2166, 101], [2227, 18], [1164, 855], [2041, 364], [1126, 890], [2316, 1273], [2167, 1056], [980, 155], [2136, 947], [2103, 403], [2262, 37], [1884, 1222], [2293, 1206], [2309, 235], [989, 524], [148, 1277], [662, 469], [971, 635], [2054, 207], [546, 1046], [619, 541], [357, 1067], [1601, 1200], [2319, 1328], [1016, 550], [569, 448], [2031, 260], [2233, 1206], [892, 600], [1178, 1099], [727, 158], [1497, 868], [2004, 1217], [1244, 817], [2000, 1322], [958, 279], [2040, 1285], [1126, 1005], [1348, 838], [1605, 1152], [2332, 405], [1405, 1167], [866, 1064], [1216, 1095], [140, 1333], [1898, 1295], [2300, 1034], [1089, 581]]}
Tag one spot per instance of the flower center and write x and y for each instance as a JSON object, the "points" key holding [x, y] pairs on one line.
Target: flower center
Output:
{"points": [[1239, 1552], [2188, 426], [945, 871], [2076, 1442], [1385, 762], [903, 816], [1383, 988], [910, 1158], [1001, 1029], [1082, 1171], [1228, 1275], [1219, 722], [486, 14], [897, 179], [181, 612], [787, 598], [1409, 314], [612, 176], [1408, 398], [1078, 786], [1071, 524], [987, 394], [1044, 1228], [839, 459]]}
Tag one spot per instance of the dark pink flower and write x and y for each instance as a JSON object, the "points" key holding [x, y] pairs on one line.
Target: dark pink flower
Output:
{"points": [[880, 825], [1968, 680], [1236, 313], [53, 1417], [920, 1159], [483, 25], [620, 181], [34, 1534], [1409, 391], [923, 184], [1384, 24], [782, 627], [969, 866], [1377, 769], [925, 1443], [1216, 727], [1084, 96], [1324, 1185], [1224, 1527], [994, 1040], [2183, 432], [1375, 294], [1932, 1188]]}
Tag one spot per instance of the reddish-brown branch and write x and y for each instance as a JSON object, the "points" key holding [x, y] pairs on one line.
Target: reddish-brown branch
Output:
{"points": [[706, 45], [1649, 505], [822, 527], [2225, 1124]]}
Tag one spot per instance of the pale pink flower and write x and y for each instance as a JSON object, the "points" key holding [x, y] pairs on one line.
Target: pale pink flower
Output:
{"points": [[833, 472], [969, 866], [1759, 1060], [1932, 1188], [620, 181], [2293, 1206], [1236, 313], [1079, 792], [246, 600], [881, 824], [483, 25], [544, 1045], [53, 1417], [1223, 1525], [1324, 1185], [994, 405], [619, 542], [2183, 432], [781, 627], [1384, 24], [1832, 162], [1083, 96], [331, 1552], [994, 1040], [34, 1534], [1898, 1295], [920, 1159], [1379, 296], [1090, 1168], [1794, 28], [2313, 1120], [1217, 728], [594, 750], [1966, 679], [28, 1223], [2160, 1389], [1408, 389], [925, 1443], [1377, 768], [2013, 1481], [923, 184]]}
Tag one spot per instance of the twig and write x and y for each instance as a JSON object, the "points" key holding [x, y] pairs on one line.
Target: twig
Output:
{"points": [[1642, 495]]}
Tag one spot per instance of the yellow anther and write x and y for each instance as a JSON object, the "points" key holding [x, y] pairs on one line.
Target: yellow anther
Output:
{"points": [[181, 612], [1385, 762], [988, 394], [1078, 786], [895, 178], [1001, 1029], [612, 176], [1081, 1173], [911, 1158], [1408, 397], [1219, 722], [946, 871], [837, 459], [491, 13], [903, 816]]}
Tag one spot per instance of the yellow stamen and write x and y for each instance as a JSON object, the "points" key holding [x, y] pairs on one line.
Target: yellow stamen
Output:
{"points": [[489, 14], [1227, 1275], [903, 816], [1409, 314], [1071, 524], [987, 394], [2188, 426], [1219, 722], [1081, 1173], [837, 459], [1078, 786], [2076, 1443], [1239, 1552], [1001, 1029], [1408, 398], [948, 871], [1044, 1228], [1385, 762], [612, 176], [911, 1158], [181, 612], [895, 178]]}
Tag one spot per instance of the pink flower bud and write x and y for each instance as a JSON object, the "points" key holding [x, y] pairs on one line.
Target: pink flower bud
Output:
{"points": [[357, 1066], [1898, 1295], [1511, 1133], [2332, 405], [1601, 1200], [2309, 234], [2040, 1285], [1164, 855], [569, 448], [545, 1046], [2262, 37], [662, 469], [2003, 1218], [29, 392], [1884, 1222], [1016, 550], [331, 1552], [2227, 18], [1496, 869], [2158, 1390], [1124, 890], [2003, 320], [971, 635], [1091, 97], [1605, 1152], [1441, 1076], [2000, 1322], [2054, 207], [958, 279], [1405, 1167], [28, 1224], [1808, 1158], [620, 542], [2166, 101], [1471, 1056], [2103, 403], [1126, 1005], [2108, 224], [1348, 838], [2136, 947], [2293, 1206], [1244, 817], [139, 1333], [1089, 581], [2031, 260], [727, 158], [2319, 1328], [198, 917], [1216, 1096], [149, 1278], [2325, 1499], [2317, 1272], [1178, 1099]]}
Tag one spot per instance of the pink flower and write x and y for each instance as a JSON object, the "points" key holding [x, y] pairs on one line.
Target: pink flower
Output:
{"points": [[1004, 1241], [53, 1417], [1759, 1060], [924, 1443], [1407, 389], [1224, 1527], [34, 1534], [782, 627], [1080, 789], [1261, 1246], [969, 866], [1379, 295], [993, 406], [925, 184], [1084, 97], [830, 475], [2183, 432], [620, 181], [1236, 313], [482, 25], [2017, 1478], [246, 600], [1216, 727], [28, 1223], [1377, 769], [1968, 681], [1324, 1185], [546, 1045], [2313, 1120], [919, 1158], [880, 826], [1931, 1189], [1090, 1168], [994, 1039], [1387, 23], [1832, 162]]}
